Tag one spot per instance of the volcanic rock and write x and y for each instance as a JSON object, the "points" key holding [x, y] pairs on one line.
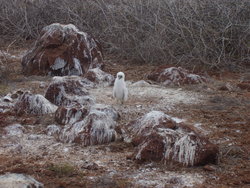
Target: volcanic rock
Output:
{"points": [[18, 181], [53, 130], [62, 50], [111, 112], [34, 104], [175, 76], [100, 77], [14, 130], [159, 137], [71, 114], [69, 90], [98, 127], [8, 102], [7, 98]]}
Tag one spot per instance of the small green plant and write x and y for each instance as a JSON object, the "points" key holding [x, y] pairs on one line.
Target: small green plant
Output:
{"points": [[3, 89], [63, 169]]}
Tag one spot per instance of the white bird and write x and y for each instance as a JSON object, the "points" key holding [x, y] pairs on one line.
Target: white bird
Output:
{"points": [[120, 91]]}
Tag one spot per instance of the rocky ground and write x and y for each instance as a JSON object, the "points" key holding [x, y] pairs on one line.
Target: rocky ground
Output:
{"points": [[218, 109]]}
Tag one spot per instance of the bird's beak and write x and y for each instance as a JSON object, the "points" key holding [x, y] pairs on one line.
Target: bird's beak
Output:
{"points": [[119, 76]]}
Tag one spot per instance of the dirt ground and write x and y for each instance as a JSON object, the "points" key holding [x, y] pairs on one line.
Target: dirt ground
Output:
{"points": [[222, 115]]}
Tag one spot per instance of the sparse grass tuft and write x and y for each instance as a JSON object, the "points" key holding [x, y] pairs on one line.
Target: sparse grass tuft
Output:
{"points": [[3, 89], [63, 169]]}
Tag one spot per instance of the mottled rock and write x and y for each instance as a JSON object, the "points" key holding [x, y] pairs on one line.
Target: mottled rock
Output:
{"points": [[62, 50], [110, 111], [227, 87], [18, 181], [5, 106], [100, 77], [7, 102], [7, 98], [98, 127], [175, 76], [71, 114], [42, 85], [90, 166], [159, 137], [16, 94], [34, 104], [69, 90], [53, 130], [14, 130]]}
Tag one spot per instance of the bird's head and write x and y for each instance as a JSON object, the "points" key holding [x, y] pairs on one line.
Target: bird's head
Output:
{"points": [[120, 75]]}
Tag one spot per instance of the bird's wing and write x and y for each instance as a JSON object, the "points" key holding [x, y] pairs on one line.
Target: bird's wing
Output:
{"points": [[125, 94], [114, 88], [114, 95]]}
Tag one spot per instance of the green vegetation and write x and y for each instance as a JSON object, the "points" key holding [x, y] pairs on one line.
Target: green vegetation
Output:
{"points": [[3, 89], [63, 169]]}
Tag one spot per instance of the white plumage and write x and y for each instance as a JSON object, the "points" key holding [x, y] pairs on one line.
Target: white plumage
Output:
{"points": [[120, 91]]}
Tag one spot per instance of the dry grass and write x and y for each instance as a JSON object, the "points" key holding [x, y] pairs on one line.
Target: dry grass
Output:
{"points": [[195, 32], [62, 169]]}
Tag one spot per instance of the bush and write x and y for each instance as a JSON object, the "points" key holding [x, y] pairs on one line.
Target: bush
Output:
{"points": [[63, 169], [4, 68], [186, 32]]}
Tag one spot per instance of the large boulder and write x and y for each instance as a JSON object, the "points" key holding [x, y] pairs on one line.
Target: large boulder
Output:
{"points": [[159, 137], [175, 76], [34, 104], [97, 127], [62, 50], [69, 90]]}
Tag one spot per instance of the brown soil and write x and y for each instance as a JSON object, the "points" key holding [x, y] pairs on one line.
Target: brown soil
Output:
{"points": [[224, 116]]}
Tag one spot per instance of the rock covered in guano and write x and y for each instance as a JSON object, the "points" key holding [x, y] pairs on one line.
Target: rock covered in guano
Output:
{"points": [[34, 104], [13, 180], [70, 114], [62, 50], [69, 90], [7, 103], [99, 77], [14, 130], [159, 137], [97, 127], [175, 76], [53, 130]]}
